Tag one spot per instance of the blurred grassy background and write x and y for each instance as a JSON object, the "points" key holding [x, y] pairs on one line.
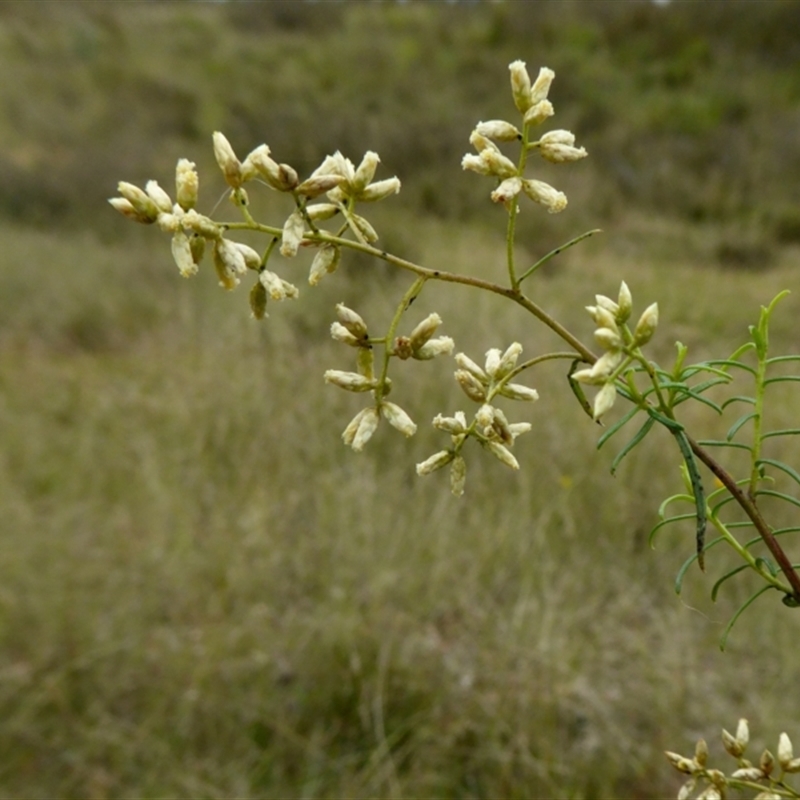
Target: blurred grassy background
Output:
{"points": [[203, 594]]}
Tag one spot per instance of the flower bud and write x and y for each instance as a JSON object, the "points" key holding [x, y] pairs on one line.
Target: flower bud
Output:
{"points": [[507, 361], [507, 190], [646, 326], [434, 462], [475, 164], [293, 230], [441, 345], [321, 211], [681, 763], [360, 429], [350, 381], [604, 399], [398, 418], [481, 142], [159, 197], [785, 752], [352, 321], [541, 86], [608, 339], [146, 209], [365, 172], [625, 303], [325, 262], [458, 476], [379, 190], [275, 286], [251, 258], [453, 425], [561, 153], [127, 209], [541, 192], [701, 752], [315, 186], [731, 745], [424, 330], [538, 113], [466, 363], [498, 129], [182, 253], [492, 362], [517, 391], [497, 164], [228, 162], [258, 301], [502, 453], [748, 774], [521, 86], [186, 184], [198, 246], [607, 303], [602, 317], [767, 762], [341, 334], [229, 263], [201, 224], [367, 231], [518, 428], [743, 733], [471, 386]]}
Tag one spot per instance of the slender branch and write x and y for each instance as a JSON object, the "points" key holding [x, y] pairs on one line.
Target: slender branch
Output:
{"points": [[752, 511]]}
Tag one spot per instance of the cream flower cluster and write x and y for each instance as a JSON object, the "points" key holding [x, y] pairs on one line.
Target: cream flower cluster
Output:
{"points": [[718, 784], [350, 329], [556, 146], [617, 341], [490, 425], [337, 177]]}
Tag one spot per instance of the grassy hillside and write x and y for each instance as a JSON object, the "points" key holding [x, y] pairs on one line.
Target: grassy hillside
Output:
{"points": [[203, 593]]}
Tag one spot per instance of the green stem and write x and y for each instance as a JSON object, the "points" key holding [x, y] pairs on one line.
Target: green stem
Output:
{"points": [[402, 307], [560, 249], [761, 373]]}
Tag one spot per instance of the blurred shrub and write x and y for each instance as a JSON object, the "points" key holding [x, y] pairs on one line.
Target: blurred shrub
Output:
{"points": [[686, 109]]}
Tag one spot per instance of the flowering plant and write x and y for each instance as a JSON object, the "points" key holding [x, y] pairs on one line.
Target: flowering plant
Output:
{"points": [[327, 217]]}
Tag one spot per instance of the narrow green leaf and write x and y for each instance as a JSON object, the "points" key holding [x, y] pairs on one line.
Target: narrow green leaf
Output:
{"points": [[731, 363], [780, 532], [577, 390], [704, 400], [719, 443], [699, 493], [745, 605], [688, 563], [671, 424], [559, 249], [738, 424], [659, 525], [783, 379], [739, 399], [771, 493], [779, 359], [736, 571], [637, 437], [617, 425], [781, 466], [783, 432], [767, 565]]}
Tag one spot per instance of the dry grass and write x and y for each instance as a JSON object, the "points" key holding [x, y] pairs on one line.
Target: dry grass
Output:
{"points": [[205, 595]]}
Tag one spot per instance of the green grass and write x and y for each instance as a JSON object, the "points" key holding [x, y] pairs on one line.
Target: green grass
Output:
{"points": [[205, 594]]}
